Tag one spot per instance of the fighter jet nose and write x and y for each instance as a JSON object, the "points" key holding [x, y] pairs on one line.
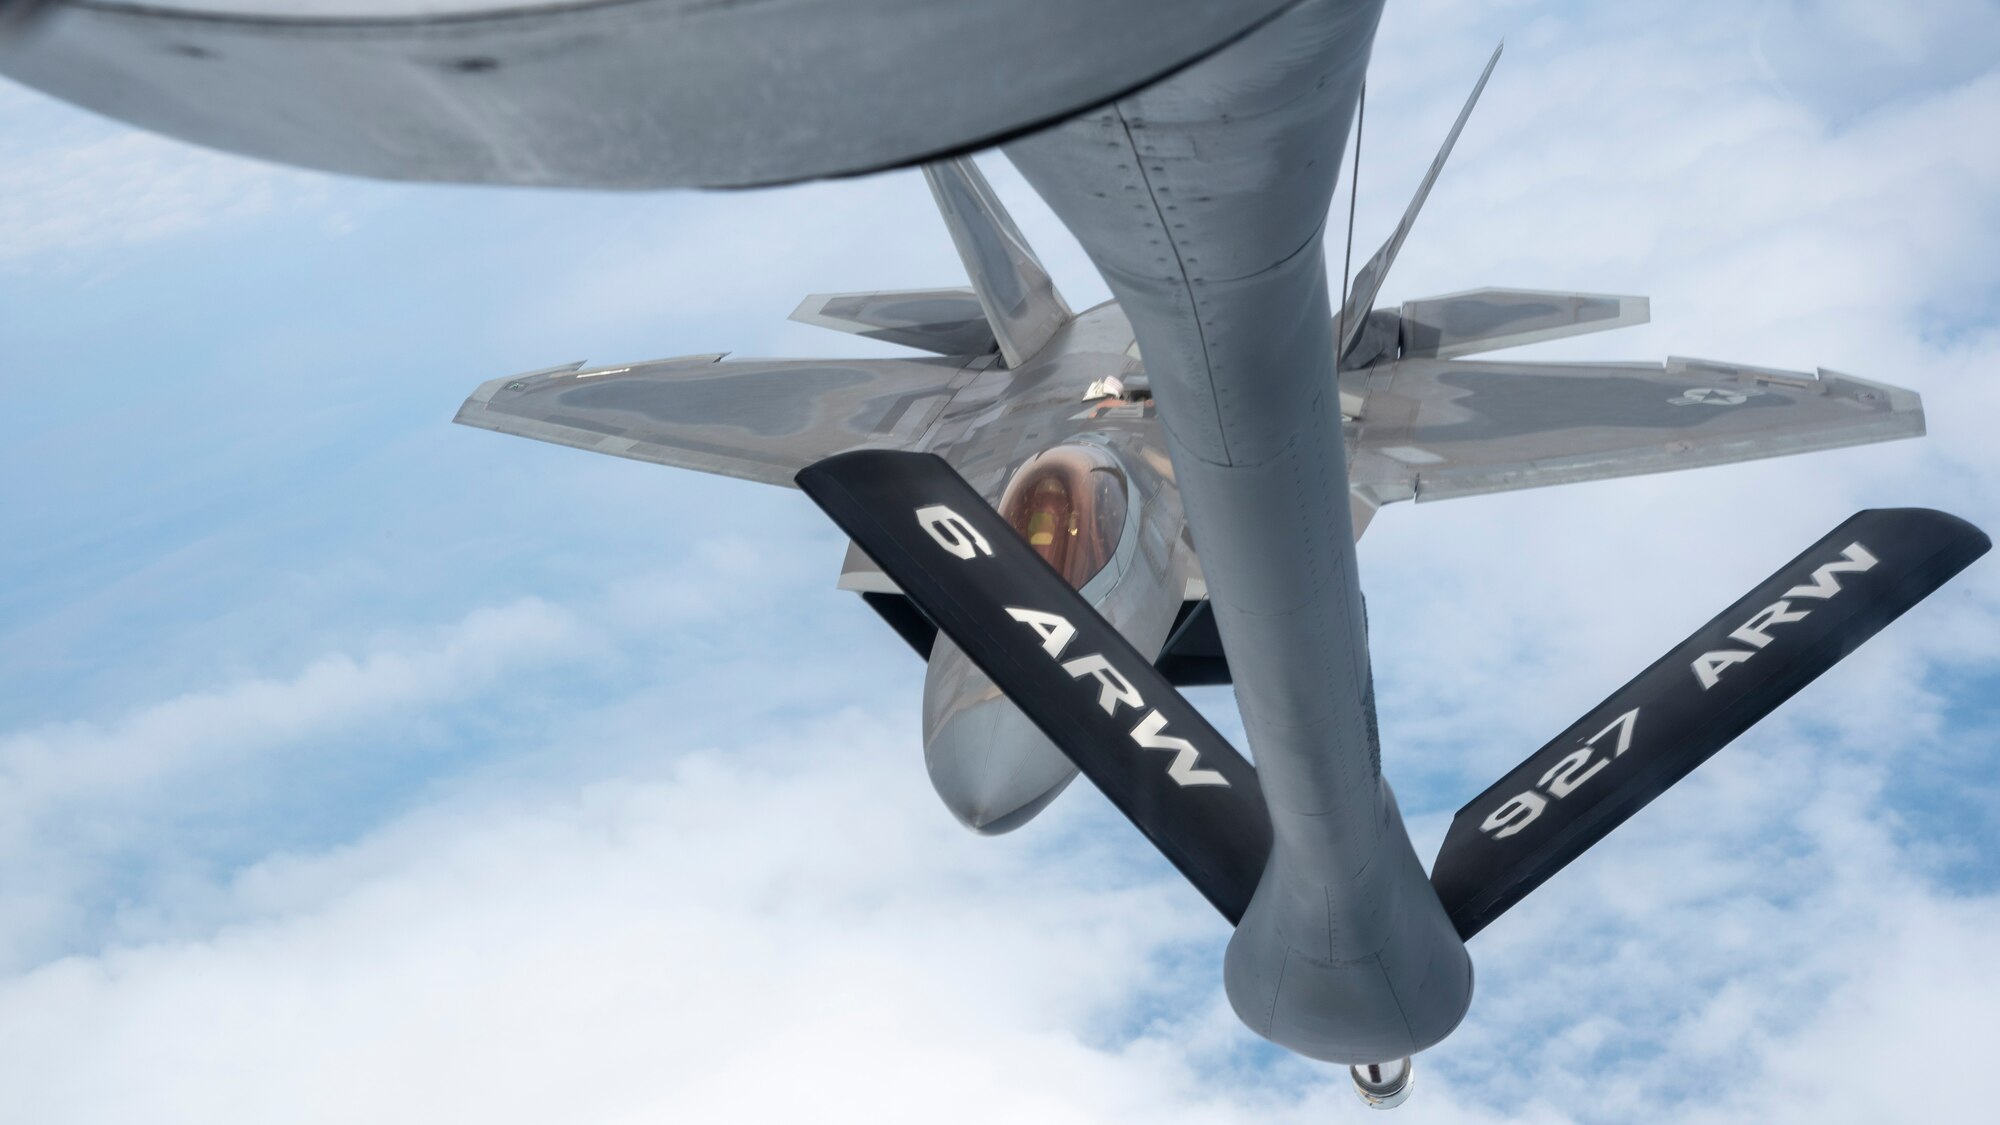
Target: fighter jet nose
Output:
{"points": [[992, 768]]}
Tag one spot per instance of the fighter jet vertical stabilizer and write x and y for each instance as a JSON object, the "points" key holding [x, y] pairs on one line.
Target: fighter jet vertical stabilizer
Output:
{"points": [[1368, 283], [1019, 297]]}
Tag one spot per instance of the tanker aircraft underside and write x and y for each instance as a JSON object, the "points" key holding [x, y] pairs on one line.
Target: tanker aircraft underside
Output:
{"points": [[1024, 499]]}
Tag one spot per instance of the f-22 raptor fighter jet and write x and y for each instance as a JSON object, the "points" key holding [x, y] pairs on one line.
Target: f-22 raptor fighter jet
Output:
{"points": [[1070, 515]]}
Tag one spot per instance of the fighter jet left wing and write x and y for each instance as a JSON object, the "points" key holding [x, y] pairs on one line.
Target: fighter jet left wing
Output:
{"points": [[758, 419]]}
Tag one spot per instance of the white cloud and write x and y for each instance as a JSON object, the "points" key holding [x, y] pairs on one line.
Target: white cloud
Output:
{"points": [[774, 927], [205, 729], [73, 187], [788, 926], [334, 9], [74, 795]]}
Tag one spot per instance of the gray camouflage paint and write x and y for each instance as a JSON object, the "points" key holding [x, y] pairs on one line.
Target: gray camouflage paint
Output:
{"points": [[629, 94], [945, 321]]}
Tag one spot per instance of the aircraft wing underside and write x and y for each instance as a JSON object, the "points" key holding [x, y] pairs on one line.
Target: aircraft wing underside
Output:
{"points": [[1432, 429], [758, 419]]}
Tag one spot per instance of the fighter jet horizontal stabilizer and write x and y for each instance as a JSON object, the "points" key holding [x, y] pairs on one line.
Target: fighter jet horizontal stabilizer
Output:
{"points": [[945, 321], [605, 94], [1067, 668], [1486, 320], [1655, 730]]}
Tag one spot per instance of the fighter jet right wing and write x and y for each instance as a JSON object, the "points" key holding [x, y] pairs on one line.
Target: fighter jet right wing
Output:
{"points": [[1436, 428], [758, 419]]}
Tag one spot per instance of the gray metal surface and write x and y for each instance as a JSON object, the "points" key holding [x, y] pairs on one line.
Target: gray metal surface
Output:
{"points": [[945, 321], [988, 763], [762, 420], [610, 93], [1202, 200], [1022, 306], [1368, 281], [1435, 429], [1484, 320]]}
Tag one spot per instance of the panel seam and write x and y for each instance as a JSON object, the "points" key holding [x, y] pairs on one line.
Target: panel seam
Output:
{"points": [[1187, 286]]}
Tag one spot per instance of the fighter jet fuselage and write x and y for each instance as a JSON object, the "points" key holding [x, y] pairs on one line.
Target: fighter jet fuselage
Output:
{"points": [[1088, 483]]}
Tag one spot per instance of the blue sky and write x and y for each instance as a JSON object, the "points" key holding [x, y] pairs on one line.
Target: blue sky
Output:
{"points": [[358, 766]]}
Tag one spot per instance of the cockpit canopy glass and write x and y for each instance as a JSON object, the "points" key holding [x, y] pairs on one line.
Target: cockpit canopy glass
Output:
{"points": [[1069, 503]]}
